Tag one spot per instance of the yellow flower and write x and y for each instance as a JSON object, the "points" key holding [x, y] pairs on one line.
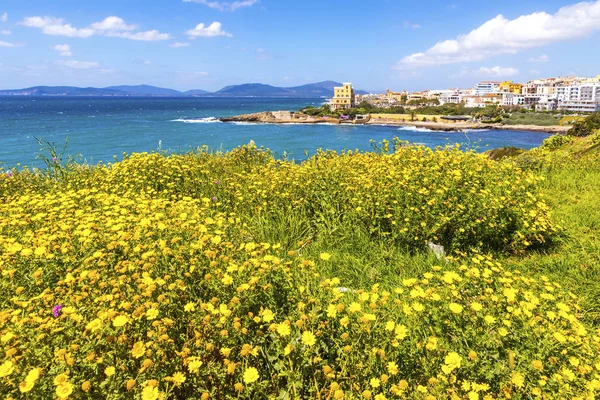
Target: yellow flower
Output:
{"points": [[6, 368], [288, 349], [194, 365], [455, 308], [225, 351], [26, 386], [476, 306], [308, 338], [401, 332], [517, 379], [227, 280], [178, 378], [150, 393], [489, 319], [151, 313], [537, 364], [560, 337], [139, 349], [325, 256], [64, 390], [94, 326], [251, 375], [431, 343], [452, 362], [389, 326], [375, 383], [189, 307], [268, 315], [283, 329], [60, 379], [331, 311], [121, 320], [354, 307], [392, 368], [109, 371], [86, 386]]}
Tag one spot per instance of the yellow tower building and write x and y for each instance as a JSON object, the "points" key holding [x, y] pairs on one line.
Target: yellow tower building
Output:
{"points": [[343, 97]]}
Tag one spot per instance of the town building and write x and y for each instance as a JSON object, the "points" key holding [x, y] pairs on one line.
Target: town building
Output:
{"points": [[395, 97], [582, 97], [343, 97], [510, 87], [486, 87]]}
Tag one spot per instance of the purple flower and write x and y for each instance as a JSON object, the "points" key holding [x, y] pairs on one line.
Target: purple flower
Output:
{"points": [[55, 160], [214, 198], [56, 310], [9, 174], [217, 182]]}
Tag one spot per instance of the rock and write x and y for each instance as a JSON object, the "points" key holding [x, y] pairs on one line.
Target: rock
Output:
{"points": [[437, 249]]}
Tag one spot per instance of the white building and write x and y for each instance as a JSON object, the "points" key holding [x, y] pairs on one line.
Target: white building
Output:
{"points": [[486, 87], [583, 97]]}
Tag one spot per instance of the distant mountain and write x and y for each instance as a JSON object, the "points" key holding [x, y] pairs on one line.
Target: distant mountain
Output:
{"points": [[253, 90], [196, 92], [312, 90], [145, 90], [61, 91]]}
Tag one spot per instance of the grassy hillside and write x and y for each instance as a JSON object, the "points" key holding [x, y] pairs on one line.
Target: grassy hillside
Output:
{"points": [[235, 275]]}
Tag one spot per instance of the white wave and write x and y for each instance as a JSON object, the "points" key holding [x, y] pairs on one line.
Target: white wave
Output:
{"points": [[414, 129], [209, 120], [474, 130], [244, 123]]}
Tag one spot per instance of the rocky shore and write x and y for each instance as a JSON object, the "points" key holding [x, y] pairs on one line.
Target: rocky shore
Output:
{"points": [[287, 117]]}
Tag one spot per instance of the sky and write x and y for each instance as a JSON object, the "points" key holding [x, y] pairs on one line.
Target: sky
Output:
{"points": [[375, 44]]}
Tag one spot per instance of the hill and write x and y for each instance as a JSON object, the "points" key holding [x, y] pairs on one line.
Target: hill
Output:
{"points": [[312, 90], [145, 90], [61, 91]]}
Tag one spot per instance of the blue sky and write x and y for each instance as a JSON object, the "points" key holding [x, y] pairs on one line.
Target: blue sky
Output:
{"points": [[376, 45]]}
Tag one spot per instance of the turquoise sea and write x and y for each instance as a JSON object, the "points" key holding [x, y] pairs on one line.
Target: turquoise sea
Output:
{"points": [[104, 127]]}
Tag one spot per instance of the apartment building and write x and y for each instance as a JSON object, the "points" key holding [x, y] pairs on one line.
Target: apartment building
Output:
{"points": [[582, 97], [343, 97], [486, 87]]}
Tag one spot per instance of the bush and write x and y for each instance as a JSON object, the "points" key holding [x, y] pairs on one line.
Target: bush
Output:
{"points": [[147, 279], [587, 126], [556, 141]]}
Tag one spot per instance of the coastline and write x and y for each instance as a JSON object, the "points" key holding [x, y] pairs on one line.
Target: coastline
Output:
{"points": [[286, 117]]}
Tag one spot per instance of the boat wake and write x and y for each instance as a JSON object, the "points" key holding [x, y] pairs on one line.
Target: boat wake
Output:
{"points": [[208, 120]]}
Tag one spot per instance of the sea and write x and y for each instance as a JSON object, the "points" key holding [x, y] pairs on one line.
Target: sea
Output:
{"points": [[102, 129]]}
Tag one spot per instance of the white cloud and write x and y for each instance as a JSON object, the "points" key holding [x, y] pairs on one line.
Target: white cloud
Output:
{"points": [[56, 27], [63, 49], [498, 71], [147, 62], [212, 30], [8, 44], [4, 17], [502, 36], [77, 64], [179, 44], [224, 5], [542, 58], [112, 24], [148, 36], [5, 32], [262, 54], [111, 27], [409, 25]]}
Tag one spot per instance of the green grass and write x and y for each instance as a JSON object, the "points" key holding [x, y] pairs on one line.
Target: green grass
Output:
{"points": [[539, 119]]}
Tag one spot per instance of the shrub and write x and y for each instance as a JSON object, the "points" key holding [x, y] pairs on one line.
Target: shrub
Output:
{"points": [[556, 141], [141, 297]]}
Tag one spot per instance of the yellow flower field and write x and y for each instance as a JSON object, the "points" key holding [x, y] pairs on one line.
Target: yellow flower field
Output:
{"points": [[151, 279]]}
